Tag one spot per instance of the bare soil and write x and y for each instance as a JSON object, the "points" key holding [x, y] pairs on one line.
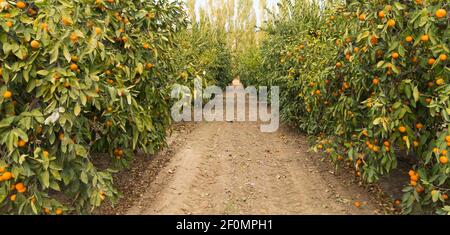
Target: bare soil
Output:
{"points": [[222, 168]]}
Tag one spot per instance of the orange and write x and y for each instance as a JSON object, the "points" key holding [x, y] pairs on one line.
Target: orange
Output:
{"points": [[7, 175], [35, 44], [397, 202], [318, 92], [21, 188], [21, 5], [447, 138], [405, 138], [109, 123], [428, 100], [376, 149], [445, 197], [146, 46], [44, 26], [356, 50], [416, 144], [66, 21], [74, 67], [61, 136], [443, 57], [357, 204], [58, 211], [376, 81], [374, 40], [21, 143], [47, 211], [381, 14], [73, 37], [7, 94], [443, 160], [9, 24], [441, 13], [387, 144], [425, 38], [395, 55], [440, 82], [362, 17], [444, 152], [45, 154], [419, 126], [149, 66], [402, 129], [412, 173], [391, 23], [409, 39], [431, 61], [98, 30], [13, 197], [414, 178], [338, 65], [2, 169]]}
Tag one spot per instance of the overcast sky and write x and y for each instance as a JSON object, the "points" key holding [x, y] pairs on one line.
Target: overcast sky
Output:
{"points": [[270, 4]]}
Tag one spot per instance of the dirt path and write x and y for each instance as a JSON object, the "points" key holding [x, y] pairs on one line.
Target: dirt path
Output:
{"points": [[233, 168]]}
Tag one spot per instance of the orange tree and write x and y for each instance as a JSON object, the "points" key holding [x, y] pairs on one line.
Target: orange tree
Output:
{"points": [[378, 70], [78, 78]]}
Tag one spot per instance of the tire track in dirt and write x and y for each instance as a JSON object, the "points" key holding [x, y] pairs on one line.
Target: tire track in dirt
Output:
{"points": [[233, 168]]}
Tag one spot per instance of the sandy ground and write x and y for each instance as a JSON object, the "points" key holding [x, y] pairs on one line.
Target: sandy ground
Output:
{"points": [[233, 168]]}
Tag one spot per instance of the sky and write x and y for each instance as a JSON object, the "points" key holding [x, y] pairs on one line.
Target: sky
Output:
{"points": [[270, 4]]}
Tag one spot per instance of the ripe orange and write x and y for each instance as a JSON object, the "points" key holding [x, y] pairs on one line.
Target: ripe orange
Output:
{"points": [[402, 129], [35, 44], [21, 143], [374, 40], [381, 14], [146, 46], [443, 160], [47, 211], [395, 55], [338, 65], [73, 37], [318, 92], [447, 138], [356, 50], [445, 197], [387, 144], [66, 21], [425, 38], [409, 39], [391, 23], [58, 211], [7, 175], [443, 57], [376, 81], [441, 13], [149, 65], [98, 30], [21, 188], [74, 67], [357, 204], [412, 173], [440, 82], [13, 197], [7, 94], [419, 126], [362, 17], [44, 26], [21, 5], [45, 154], [9, 24], [431, 61]]}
